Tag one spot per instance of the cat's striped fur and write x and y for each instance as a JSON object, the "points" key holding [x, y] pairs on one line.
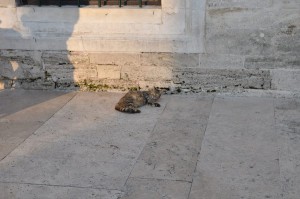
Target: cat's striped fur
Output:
{"points": [[135, 99]]}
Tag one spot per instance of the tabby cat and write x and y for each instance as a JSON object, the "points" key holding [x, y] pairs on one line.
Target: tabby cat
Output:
{"points": [[134, 99]]}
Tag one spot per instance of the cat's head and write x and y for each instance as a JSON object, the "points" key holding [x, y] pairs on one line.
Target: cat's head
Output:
{"points": [[156, 92]]}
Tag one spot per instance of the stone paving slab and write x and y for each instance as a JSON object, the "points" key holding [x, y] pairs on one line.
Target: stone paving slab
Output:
{"points": [[172, 150], [23, 112], [29, 191], [287, 115], [72, 171], [156, 189], [239, 155], [31, 101]]}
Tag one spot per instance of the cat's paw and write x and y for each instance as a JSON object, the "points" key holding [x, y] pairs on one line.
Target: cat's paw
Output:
{"points": [[156, 104]]}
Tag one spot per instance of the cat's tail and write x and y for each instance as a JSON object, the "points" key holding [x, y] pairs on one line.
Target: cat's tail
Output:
{"points": [[127, 109]]}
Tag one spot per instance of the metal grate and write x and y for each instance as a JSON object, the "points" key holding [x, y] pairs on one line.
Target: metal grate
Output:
{"points": [[100, 3]]}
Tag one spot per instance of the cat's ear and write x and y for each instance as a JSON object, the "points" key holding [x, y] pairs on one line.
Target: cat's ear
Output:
{"points": [[156, 88], [159, 90]]}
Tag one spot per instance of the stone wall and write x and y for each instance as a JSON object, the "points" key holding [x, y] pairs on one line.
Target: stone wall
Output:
{"points": [[255, 35], [184, 45]]}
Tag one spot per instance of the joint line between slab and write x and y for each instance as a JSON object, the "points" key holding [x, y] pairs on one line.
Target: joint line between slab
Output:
{"points": [[56, 185], [161, 179], [198, 155], [278, 146], [145, 145]]}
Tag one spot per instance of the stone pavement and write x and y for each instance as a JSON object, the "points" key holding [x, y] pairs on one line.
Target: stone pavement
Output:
{"points": [[75, 145]]}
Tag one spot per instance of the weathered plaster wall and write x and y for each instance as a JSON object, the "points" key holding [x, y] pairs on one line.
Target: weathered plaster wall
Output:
{"points": [[189, 45]]}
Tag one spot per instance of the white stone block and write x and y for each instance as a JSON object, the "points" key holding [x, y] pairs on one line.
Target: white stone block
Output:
{"points": [[290, 4], [221, 61], [115, 59], [89, 14], [16, 43], [59, 43], [7, 18], [288, 80], [109, 71], [239, 3], [196, 4], [173, 4], [173, 22], [2, 85], [244, 18], [146, 73], [8, 3]]}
